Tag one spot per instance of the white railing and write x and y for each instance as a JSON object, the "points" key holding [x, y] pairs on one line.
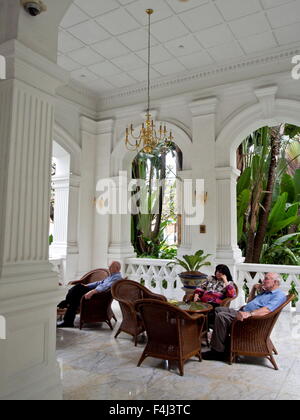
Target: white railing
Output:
{"points": [[155, 275], [288, 274], [159, 278], [58, 267]]}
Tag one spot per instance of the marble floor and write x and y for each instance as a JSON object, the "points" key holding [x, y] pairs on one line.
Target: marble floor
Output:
{"points": [[95, 366]]}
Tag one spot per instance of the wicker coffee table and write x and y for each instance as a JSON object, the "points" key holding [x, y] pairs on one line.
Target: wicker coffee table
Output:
{"points": [[193, 307], [199, 308]]}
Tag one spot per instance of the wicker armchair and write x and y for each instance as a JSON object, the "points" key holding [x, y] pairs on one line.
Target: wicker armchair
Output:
{"points": [[91, 277], [251, 337], [127, 292], [97, 309], [172, 333]]}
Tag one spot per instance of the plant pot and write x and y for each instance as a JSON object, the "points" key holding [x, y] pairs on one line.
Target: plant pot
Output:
{"points": [[191, 280]]}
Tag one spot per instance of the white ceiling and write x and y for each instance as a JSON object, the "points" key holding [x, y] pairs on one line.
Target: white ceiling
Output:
{"points": [[103, 43]]}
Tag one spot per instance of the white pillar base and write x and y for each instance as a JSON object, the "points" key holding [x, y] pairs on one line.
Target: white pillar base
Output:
{"points": [[29, 294]]}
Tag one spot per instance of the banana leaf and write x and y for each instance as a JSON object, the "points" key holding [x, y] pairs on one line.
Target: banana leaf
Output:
{"points": [[278, 211], [244, 181], [288, 185]]}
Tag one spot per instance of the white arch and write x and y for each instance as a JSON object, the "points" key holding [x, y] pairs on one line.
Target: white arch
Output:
{"points": [[122, 158], [65, 140], [249, 120]]}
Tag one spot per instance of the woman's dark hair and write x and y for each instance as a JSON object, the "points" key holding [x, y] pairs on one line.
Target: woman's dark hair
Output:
{"points": [[222, 268]]}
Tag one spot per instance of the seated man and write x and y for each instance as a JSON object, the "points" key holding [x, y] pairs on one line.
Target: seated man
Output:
{"points": [[270, 298], [75, 294]]}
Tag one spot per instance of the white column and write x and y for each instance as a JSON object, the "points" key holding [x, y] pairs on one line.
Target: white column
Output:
{"points": [[120, 246], [59, 246], [186, 233], [72, 234], [104, 131], [203, 165], [29, 289], [228, 251], [86, 196]]}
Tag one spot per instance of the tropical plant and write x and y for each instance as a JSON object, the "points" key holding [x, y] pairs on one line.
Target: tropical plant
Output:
{"points": [[281, 251], [153, 214], [267, 195], [293, 291], [192, 262]]}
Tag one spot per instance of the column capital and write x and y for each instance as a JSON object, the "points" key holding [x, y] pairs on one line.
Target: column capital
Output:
{"points": [[227, 173], [27, 66], [187, 174], [206, 106], [60, 182], [75, 180], [266, 96], [96, 127]]}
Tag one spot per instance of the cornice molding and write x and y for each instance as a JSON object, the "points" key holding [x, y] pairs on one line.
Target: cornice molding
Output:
{"points": [[194, 76]]}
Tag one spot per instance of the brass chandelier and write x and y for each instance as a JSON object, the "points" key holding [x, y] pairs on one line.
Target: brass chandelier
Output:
{"points": [[148, 137]]}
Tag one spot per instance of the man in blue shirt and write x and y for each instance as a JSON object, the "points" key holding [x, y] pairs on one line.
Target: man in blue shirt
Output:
{"points": [[76, 293], [270, 297]]}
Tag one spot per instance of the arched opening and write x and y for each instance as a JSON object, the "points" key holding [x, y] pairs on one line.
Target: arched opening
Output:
{"points": [[232, 134], [156, 223], [268, 193], [121, 162]]}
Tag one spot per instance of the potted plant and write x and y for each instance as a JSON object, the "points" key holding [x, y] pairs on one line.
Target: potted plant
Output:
{"points": [[192, 278]]}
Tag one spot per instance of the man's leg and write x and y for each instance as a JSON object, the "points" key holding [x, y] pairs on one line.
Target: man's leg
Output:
{"points": [[223, 321], [73, 299]]}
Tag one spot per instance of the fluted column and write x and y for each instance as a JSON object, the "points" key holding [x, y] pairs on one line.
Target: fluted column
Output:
{"points": [[186, 233], [72, 259], [28, 288], [120, 246], [86, 195], [203, 165], [104, 133], [227, 248], [61, 208]]}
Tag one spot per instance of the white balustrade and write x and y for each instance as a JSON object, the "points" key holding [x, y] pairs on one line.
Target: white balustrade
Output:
{"points": [[158, 277], [58, 266]]}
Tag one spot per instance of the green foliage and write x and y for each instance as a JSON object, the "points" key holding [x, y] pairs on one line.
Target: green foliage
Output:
{"points": [[281, 240], [50, 239], [293, 291], [243, 204], [192, 262], [281, 251], [288, 185], [297, 184]]}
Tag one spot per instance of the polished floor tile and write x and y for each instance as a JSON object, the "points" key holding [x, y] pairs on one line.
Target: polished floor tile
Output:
{"points": [[95, 366]]}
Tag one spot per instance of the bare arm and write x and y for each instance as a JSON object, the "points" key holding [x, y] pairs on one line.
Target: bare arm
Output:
{"points": [[258, 312]]}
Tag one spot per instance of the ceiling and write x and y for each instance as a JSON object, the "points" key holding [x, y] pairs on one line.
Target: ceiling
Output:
{"points": [[103, 43]]}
